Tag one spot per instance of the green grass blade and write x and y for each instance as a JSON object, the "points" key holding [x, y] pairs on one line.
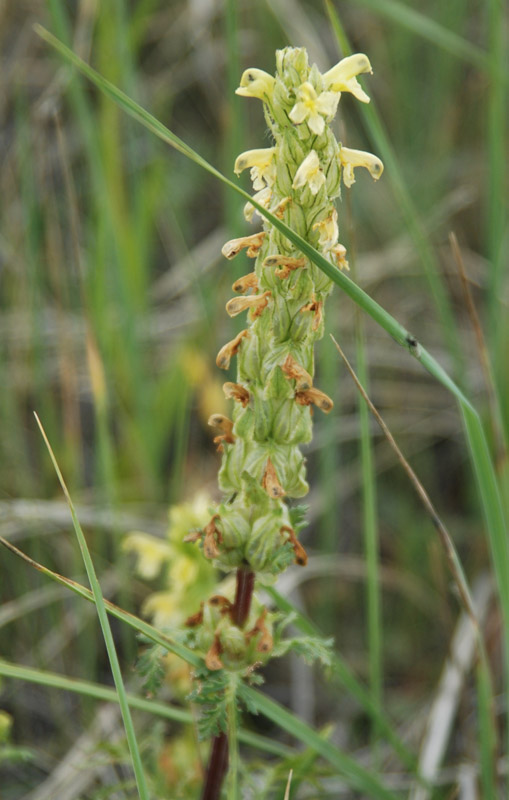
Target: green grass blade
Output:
{"points": [[99, 692], [356, 776], [254, 698], [427, 28], [234, 124], [369, 509], [370, 526], [341, 671], [431, 267], [90, 689], [496, 189], [106, 631], [486, 728], [138, 624]]}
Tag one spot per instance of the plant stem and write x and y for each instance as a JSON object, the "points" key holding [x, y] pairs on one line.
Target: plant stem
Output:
{"points": [[218, 759], [218, 763], [233, 746], [243, 595]]}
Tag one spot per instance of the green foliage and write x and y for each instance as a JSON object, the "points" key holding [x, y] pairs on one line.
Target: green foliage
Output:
{"points": [[298, 517], [210, 695], [150, 667], [311, 648]]}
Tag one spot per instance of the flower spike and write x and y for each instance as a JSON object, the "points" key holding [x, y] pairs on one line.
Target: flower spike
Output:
{"points": [[272, 395]]}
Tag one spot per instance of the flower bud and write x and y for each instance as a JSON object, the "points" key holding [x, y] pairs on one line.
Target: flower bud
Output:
{"points": [[235, 529]]}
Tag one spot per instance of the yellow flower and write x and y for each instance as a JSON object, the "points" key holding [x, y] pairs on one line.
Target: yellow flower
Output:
{"points": [[185, 516], [339, 253], [309, 174], [263, 168], [342, 77], [183, 572], [314, 107], [152, 553], [263, 197], [256, 83], [358, 158], [164, 609], [328, 231]]}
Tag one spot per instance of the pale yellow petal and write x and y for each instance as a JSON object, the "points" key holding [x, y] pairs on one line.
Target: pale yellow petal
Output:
{"points": [[254, 158], [309, 174], [342, 77], [163, 608], [316, 123], [256, 83], [359, 158], [298, 113], [152, 553], [327, 103]]}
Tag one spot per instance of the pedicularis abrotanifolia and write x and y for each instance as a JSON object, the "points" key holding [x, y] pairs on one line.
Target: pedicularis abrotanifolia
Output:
{"points": [[254, 529]]}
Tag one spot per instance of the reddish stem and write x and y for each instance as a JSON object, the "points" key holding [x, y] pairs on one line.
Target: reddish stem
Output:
{"points": [[218, 763], [243, 596], [218, 759]]}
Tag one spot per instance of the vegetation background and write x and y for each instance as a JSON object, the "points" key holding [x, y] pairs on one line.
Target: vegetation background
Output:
{"points": [[112, 312]]}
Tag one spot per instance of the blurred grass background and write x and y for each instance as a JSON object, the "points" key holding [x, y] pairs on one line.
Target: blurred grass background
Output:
{"points": [[112, 312]]}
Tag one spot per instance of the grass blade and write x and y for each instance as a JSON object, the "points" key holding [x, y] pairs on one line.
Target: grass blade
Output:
{"points": [[130, 619], [106, 631], [99, 692], [374, 125], [356, 776], [369, 507], [352, 771], [346, 678], [427, 28]]}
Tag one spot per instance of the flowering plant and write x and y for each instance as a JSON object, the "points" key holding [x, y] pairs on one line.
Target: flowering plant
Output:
{"points": [[254, 529]]}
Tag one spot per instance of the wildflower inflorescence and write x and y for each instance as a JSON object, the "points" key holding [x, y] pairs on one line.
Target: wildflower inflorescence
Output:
{"points": [[254, 530], [262, 468]]}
